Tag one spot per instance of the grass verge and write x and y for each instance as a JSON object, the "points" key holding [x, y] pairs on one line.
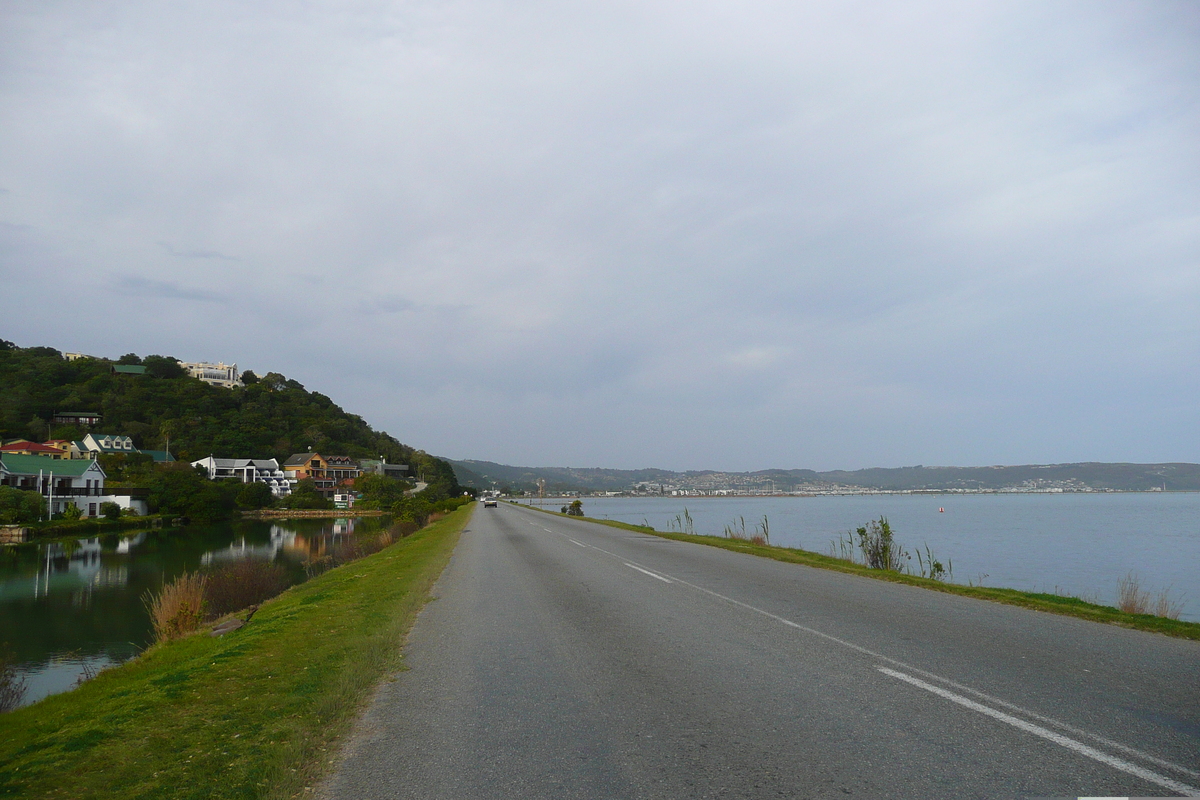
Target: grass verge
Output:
{"points": [[253, 714], [1050, 603]]}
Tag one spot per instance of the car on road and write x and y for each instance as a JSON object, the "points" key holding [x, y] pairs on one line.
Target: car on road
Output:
{"points": [[489, 502]]}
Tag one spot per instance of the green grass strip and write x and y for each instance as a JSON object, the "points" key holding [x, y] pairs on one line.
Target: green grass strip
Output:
{"points": [[1051, 603], [257, 713]]}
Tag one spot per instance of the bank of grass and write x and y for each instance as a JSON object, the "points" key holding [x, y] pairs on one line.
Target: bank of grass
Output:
{"points": [[256, 713], [1051, 603]]}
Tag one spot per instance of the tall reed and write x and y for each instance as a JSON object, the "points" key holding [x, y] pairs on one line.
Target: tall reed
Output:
{"points": [[1133, 599], [178, 608]]}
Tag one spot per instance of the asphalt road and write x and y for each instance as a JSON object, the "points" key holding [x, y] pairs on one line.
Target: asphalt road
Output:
{"points": [[564, 659]]}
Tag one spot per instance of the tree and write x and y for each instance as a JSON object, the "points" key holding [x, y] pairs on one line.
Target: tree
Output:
{"points": [[177, 488], [130, 358], [163, 367], [379, 491], [20, 506], [305, 495], [413, 508], [254, 495]]}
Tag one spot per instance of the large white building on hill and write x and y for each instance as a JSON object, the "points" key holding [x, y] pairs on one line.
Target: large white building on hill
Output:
{"points": [[219, 374]]}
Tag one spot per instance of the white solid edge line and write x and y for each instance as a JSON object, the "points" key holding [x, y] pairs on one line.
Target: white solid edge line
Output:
{"points": [[647, 572], [871, 653], [1037, 730]]}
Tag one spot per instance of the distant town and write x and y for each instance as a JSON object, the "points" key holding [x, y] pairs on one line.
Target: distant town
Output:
{"points": [[1035, 478]]}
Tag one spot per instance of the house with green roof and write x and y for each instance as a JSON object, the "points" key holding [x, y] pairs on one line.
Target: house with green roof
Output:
{"points": [[78, 481], [108, 443]]}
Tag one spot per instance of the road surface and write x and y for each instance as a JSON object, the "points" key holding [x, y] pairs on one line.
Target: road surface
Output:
{"points": [[565, 659]]}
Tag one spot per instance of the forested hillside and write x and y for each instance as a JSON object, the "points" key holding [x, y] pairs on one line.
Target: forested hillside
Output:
{"points": [[271, 417]]}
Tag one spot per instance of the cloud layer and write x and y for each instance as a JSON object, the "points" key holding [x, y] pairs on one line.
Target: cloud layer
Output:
{"points": [[681, 235]]}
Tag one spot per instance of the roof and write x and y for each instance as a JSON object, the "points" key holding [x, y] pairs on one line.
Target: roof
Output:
{"points": [[32, 465], [78, 414], [235, 463], [129, 369], [32, 447], [296, 459], [159, 455]]}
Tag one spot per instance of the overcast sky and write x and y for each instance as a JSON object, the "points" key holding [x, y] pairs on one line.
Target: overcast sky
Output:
{"points": [[628, 234]]}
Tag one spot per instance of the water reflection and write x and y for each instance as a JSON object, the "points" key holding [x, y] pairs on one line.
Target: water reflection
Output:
{"points": [[71, 608]]}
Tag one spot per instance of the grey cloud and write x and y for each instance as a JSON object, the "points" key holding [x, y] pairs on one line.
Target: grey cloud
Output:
{"points": [[169, 290], [386, 305], [203, 254], [796, 234]]}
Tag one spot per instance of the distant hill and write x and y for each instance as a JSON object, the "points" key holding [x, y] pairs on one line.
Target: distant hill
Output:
{"points": [[271, 417], [1117, 477]]}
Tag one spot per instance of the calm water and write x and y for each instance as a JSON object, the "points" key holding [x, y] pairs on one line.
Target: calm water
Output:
{"points": [[69, 609], [1079, 544]]}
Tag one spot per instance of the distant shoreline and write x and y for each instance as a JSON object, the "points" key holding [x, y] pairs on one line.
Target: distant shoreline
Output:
{"points": [[852, 493]]}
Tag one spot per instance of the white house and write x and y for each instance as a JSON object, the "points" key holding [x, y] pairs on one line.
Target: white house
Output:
{"points": [[248, 470], [79, 482], [108, 443], [219, 374]]}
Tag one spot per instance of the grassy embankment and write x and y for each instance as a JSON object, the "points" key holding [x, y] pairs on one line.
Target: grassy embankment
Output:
{"points": [[1051, 603], [255, 713]]}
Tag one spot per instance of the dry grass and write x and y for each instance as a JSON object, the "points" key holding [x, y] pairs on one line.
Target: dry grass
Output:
{"points": [[1132, 599], [178, 608]]}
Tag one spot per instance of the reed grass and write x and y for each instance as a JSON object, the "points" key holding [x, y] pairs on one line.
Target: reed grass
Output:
{"points": [[1133, 599], [683, 523], [178, 608]]}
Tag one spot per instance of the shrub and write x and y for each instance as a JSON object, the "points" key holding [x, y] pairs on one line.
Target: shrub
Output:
{"points": [[879, 549], [178, 607], [239, 584], [110, 511], [401, 529], [71, 512]]}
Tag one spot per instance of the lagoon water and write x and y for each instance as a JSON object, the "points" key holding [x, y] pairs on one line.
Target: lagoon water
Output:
{"points": [[71, 608], [1076, 544]]}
